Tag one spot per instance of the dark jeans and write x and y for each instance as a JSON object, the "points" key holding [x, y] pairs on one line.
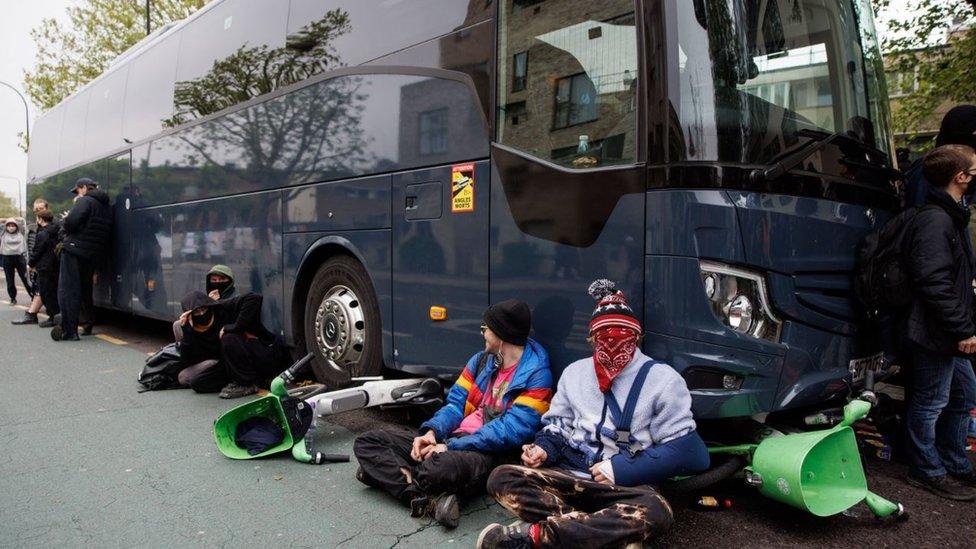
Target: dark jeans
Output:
{"points": [[384, 454], [943, 392], [75, 291], [249, 361], [577, 512], [16, 263], [47, 287]]}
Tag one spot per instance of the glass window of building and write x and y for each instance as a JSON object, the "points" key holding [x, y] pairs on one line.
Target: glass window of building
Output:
{"points": [[575, 103], [433, 132]]}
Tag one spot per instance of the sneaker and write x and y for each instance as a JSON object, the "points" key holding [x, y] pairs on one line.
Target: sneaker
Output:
{"points": [[46, 324], [444, 509], [944, 487], [29, 318], [13, 300], [968, 479], [86, 329], [236, 390], [58, 335], [496, 536]]}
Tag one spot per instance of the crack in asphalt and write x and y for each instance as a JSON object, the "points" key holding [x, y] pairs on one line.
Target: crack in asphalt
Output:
{"points": [[401, 537]]}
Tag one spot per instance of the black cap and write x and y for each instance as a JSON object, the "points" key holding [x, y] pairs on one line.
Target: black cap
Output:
{"points": [[958, 127], [83, 182], [510, 320]]}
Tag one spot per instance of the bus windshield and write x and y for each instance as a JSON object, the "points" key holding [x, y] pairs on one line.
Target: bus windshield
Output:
{"points": [[752, 75]]}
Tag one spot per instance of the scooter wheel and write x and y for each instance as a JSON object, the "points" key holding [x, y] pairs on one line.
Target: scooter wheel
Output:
{"points": [[717, 474]]}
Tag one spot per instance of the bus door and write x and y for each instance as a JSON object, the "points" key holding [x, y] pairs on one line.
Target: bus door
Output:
{"points": [[114, 286], [440, 266]]}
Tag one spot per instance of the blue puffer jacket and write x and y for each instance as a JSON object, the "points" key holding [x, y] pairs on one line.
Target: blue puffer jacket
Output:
{"points": [[525, 400]]}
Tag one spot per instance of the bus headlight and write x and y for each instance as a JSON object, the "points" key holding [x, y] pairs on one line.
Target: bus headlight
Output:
{"points": [[738, 299]]}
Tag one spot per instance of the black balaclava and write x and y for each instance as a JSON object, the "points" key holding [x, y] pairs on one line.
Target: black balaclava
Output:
{"points": [[225, 288]]}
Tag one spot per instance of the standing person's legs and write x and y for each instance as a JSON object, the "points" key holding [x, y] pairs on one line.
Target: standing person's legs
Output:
{"points": [[21, 265], [69, 293], [931, 381], [384, 457], [8, 273], [953, 423], [567, 511], [86, 316]]}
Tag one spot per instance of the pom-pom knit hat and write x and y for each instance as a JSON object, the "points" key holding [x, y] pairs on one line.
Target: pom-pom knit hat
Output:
{"points": [[611, 308]]}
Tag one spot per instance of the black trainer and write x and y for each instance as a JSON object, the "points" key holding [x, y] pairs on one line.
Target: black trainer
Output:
{"points": [[236, 390], [496, 536], [444, 509], [29, 318], [969, 479], [46, 324], [58, 335], [86, 329], [944, 487]]}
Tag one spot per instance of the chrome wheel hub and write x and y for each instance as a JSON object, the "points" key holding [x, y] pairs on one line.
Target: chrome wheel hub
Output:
{"points": [[340, 327]]}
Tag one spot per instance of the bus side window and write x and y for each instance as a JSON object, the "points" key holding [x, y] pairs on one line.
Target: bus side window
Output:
{"points": [[567, 81]]}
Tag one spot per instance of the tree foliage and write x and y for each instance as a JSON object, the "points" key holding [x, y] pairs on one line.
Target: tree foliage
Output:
{"points": [[943, 69], [69, 56], [8, 208]]}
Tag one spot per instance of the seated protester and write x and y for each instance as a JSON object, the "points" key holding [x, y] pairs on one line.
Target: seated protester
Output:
{"points": [[220, 279], [44, 262], [495, 406], [219, 285], [250, 355], [619, 422], [197, 335]]}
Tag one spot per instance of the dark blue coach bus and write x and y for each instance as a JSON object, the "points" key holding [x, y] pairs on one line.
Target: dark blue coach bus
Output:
{"points": [[383, 170]]}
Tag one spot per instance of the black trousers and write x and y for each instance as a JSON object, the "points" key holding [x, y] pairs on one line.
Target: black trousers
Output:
{"points": [[47, 287], [249, 361], [384, 454], [75, 291], [578, 512], [16, 263]]}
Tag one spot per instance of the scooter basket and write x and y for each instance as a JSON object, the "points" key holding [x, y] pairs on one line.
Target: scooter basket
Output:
{"points": [[819, 472], [225, 428]]}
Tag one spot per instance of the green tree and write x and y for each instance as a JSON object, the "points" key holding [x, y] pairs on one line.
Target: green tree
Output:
{"points": [[8, 208], [944, 69], [69, 56]]}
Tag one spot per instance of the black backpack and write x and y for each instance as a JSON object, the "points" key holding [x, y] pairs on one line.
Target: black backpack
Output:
{"points": [[162, 369], [881, 280]]}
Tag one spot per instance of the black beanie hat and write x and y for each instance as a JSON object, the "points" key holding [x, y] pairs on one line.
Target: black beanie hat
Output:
{"points": [[958, 127], [511, 321]]}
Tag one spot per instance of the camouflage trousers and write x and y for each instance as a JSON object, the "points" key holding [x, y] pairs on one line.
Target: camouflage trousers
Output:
{"points": [[578, 512]]}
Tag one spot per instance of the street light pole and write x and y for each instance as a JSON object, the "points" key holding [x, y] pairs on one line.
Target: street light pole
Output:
{"points": [[26, 113], [20, 193], [147, 17]]}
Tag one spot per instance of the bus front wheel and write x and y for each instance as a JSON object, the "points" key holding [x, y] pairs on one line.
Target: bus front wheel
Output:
{"points": [[342, 322]]}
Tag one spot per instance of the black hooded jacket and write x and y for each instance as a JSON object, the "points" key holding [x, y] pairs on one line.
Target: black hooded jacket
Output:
{"points": [[237, 315], [88, 227], [941, 266], [42, 256]]}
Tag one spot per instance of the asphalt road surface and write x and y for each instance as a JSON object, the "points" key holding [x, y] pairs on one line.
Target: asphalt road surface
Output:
{"points": [[87, 460]]}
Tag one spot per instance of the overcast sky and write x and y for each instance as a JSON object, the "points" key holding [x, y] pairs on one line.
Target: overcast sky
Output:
{"points": [[18, 55]]}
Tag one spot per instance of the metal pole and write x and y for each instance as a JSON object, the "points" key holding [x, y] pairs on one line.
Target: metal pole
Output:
{"points": [[148, 29], [26, 113]]}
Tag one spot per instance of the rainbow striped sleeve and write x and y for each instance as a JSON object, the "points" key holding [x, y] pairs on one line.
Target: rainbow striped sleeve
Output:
{"points": [[537, 399]]}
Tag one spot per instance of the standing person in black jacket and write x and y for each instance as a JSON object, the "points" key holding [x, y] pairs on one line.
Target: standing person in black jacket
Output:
{"points": [[87, 230], [230, 330], [44, 262], [940, 329], [30, 315]]}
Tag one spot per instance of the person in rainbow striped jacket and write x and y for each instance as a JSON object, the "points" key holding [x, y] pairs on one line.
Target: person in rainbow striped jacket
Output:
{"points": [[495, 406]]}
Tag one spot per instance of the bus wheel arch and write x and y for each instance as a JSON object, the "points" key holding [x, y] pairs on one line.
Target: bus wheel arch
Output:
{"points": [[335, 314]]}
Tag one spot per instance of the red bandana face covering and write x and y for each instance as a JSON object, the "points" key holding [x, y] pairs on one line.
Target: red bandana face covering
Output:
{"points": [[613, 349]]}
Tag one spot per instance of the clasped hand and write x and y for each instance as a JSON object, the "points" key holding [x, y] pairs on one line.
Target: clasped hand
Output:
{"points": [[425, 446]]}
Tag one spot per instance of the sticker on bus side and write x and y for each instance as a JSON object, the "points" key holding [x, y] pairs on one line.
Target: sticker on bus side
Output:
{"points": [[462, 188]]}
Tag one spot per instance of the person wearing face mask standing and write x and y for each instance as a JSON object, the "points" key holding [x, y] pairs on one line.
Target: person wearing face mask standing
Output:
{"points": [[958, 127], [87, 230], [940, 329], [619, 422], [495, 406], [13, 247]]}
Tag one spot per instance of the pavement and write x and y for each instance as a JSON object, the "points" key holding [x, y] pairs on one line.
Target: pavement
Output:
{"points": [[89, 461]]}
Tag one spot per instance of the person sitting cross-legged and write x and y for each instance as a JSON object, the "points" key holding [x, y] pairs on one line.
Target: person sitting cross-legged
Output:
{"points": [[495, 406], [619, 423]]}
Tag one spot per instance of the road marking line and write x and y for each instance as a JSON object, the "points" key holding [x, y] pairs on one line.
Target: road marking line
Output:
{"points": [[110, 339]]}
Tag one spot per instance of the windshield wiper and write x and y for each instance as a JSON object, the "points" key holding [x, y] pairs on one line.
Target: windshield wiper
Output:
{"points": [[818, 140]]}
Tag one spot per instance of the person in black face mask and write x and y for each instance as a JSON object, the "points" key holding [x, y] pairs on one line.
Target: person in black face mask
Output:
{"points": [[229, 332], [220, 279]]}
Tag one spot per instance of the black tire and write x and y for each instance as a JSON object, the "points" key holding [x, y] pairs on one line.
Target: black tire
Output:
{"points": [[335, 274], [716, 474]]}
